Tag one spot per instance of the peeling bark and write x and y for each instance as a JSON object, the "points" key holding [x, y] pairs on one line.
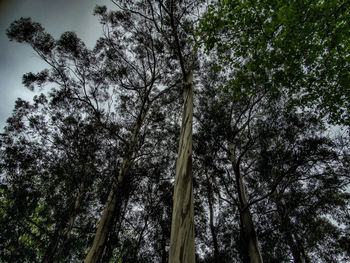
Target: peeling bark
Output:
{"points": [[182, 249]]}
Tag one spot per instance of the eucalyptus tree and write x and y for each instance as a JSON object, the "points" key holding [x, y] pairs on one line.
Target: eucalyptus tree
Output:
{"points": [[117, 83], [274, 148], [147, 44], [277, 48], [173, 22], [50, 157], [135, 64], [145, 224], [300, 46], [307, 161], [229, 127]]}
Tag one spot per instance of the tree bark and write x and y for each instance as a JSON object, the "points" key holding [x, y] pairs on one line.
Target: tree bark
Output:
{"points": [[70, 224], [62, 235], [251, 252], [96, 250], [113, 236], [249, 241], [105, 224], [211, 221], [182, 249]]}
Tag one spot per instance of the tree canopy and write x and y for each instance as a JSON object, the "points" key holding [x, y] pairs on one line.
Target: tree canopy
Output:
{"points": [[189, 133], [301, 46]]}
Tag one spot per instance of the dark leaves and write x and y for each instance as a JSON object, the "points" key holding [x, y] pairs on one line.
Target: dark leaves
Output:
{"points": [[24, 30], [30, 79], [69, 43]]}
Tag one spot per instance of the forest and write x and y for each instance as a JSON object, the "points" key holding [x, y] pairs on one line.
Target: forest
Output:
{"points": [[193, 131]]}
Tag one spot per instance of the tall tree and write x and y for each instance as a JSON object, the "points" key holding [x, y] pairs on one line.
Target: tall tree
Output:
{"points": [[96, 156], [90, 77], [173, 22]]}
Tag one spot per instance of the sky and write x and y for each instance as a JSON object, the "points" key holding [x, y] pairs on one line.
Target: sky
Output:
{"points": [[56, 16]]}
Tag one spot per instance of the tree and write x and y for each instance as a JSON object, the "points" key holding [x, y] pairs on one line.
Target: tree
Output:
{"points": [[173, 21], [50, 156], [80, 77], [274, 148], [297, 46], [95, 156]]}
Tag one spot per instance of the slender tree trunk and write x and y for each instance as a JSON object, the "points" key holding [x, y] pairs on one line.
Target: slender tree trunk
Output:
{"points": [[105, 224], [211, 221], [293, 247], [62, 235], [72, 217], [139, 241], [163, 247], [113, 236], [165, 236], [302, 249], [249, 241], [286, 230], [182, 249]]}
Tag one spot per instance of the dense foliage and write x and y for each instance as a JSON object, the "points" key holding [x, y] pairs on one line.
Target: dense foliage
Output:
{"points": [[87, 168]]}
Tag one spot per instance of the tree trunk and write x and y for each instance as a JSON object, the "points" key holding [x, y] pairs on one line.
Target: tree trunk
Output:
{"points": [[211, 221], [182, 249], [163, 249], [68, 231], [139, 241], [113, 236], [293, 247], [286, 230], [251, 252], [249, 241], [302, 249], [105, 224], [96, 250], [62, 235]]}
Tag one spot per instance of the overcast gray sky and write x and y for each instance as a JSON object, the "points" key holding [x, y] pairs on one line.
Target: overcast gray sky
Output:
{"points": [[56, 16]]}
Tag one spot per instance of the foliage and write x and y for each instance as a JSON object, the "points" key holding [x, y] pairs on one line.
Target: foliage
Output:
{"points": [[300, 46], [118, 105]]}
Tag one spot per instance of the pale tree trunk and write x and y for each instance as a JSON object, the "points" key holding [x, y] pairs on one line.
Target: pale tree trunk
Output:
{"points": [[105, 224], [249, 241], [68, 231], [182, 249], [248, 238], [211, 220], [113, 235], [96, 250], [60, 237]]}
